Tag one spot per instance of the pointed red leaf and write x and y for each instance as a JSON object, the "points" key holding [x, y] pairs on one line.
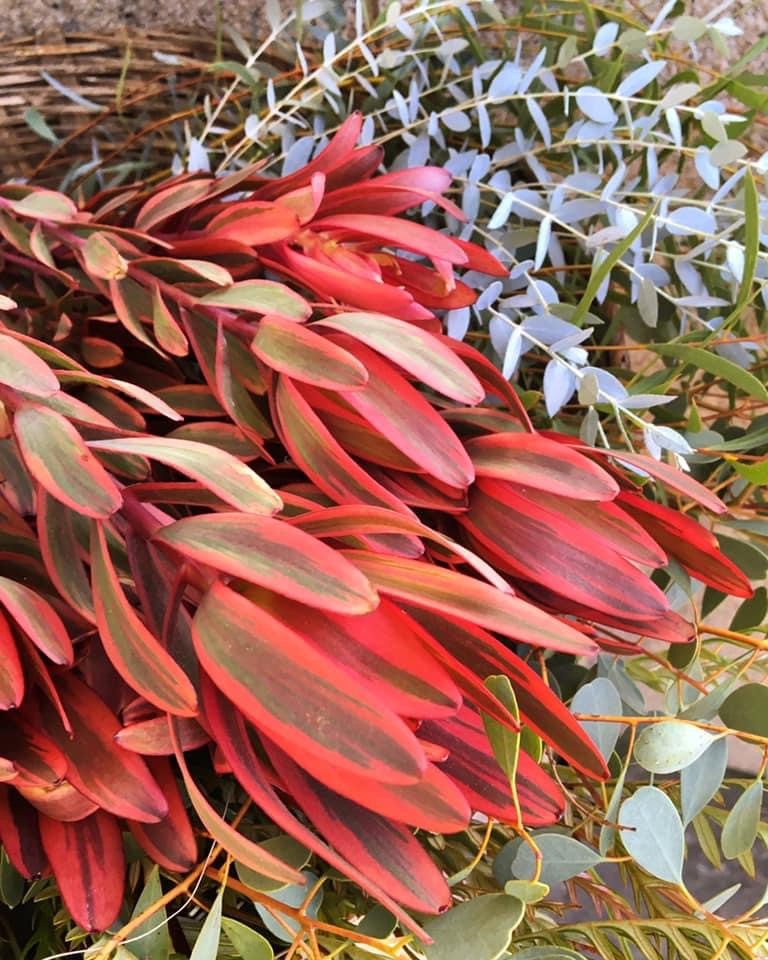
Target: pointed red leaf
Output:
{"points": [[403, 234], [535, 461], [548, 548], [435, 588], [57, 457], [415, 350], [315, 451], [297, 695], [402, 415], [229, 730], [61, 802], [11, 672], [37, 618], [20, 835], [608, 523], [133, 650], [384, 850], [118, 780], [301, 353], [694, 547], [151, 738], [472, 765], [272, 554], [89, 866], [254, 222], [336, 153], [330, 280], [171, 842], [477, 653], [240, 847], [37, 759], [173, 199], [378, 653], [670, 476]]}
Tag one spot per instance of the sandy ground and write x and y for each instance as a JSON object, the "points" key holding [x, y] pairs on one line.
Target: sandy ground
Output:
{"points": [[48, 18]]}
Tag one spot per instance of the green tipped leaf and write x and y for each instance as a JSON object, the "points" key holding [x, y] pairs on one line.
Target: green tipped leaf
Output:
{"points": [[260, 296], [58, 458], [218, 471], [273, 554], [139, 658]]}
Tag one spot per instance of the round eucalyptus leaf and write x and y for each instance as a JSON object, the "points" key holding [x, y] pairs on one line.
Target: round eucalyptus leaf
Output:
{"points": [[652, 833], [481, 928], [528, 891], [701, 780], [292, 896], [746, 709], [562, 858], [670, 745], [599, 697], [740, 829]]}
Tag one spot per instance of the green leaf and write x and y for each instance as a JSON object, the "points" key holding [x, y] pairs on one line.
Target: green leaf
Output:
{"points": [[562, 858], [740, 829], [481, 928], [746, 709], [756, 473], [37, 123], [713, 363], [151, 941], [217, 470], [599, 273], [207, 944], [260, 296], [652, 833], [12, 884], [45, 205], [700, 781], [249, 944], [747, 557], [505, 743], [23, 370], [285, 848], [751, 247], [670, 746], [609, 831], [751, 613]]}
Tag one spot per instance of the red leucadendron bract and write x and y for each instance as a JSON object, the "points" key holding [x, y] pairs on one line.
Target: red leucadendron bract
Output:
{"points": [[253, 499]]}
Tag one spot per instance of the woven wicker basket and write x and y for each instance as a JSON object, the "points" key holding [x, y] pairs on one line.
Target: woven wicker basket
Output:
{"points": [[121, 73]]}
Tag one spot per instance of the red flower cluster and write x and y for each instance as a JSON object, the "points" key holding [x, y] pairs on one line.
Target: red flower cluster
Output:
{"points": [[314, 572]]}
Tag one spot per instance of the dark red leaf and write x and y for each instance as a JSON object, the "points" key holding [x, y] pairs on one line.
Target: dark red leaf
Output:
{"points": [[20, 835], [89, 866], [116, 779], [230, 733], [171, 842], [384, 850], [285, 687]]}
